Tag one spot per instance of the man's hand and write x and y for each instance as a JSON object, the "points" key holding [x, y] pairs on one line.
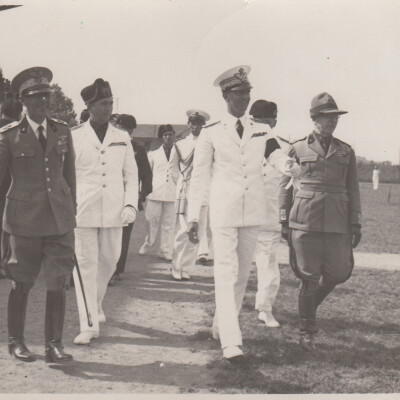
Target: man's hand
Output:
{"points": [[355, 235], [193, 228], [292, 168], [128, 215], [285, 231]]}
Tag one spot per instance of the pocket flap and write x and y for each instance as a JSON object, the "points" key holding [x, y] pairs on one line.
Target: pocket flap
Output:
{"points": [[24, 196], [24, 153], [305, 194], [343, 160], [308, 158]]}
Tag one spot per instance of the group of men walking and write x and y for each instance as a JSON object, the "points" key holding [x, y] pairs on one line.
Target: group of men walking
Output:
{"points": [[76, 195]]}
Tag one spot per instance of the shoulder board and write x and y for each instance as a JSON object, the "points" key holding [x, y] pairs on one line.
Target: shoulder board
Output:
{"points": [[58, 121], [283, 140], [298, 140], [9, 126], [341, 142], [214, 123], [76, 127]]}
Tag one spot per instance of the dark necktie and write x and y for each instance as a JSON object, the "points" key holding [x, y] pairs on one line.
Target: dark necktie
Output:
{"points": [[325, 142], [239, 128], [42, 139]]}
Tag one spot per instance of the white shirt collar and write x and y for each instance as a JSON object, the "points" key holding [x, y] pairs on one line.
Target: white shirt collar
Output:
{"points": [[35, 126], [232, 119]]}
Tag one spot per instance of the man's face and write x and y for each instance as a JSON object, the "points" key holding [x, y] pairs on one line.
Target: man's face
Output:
{"points": [[37, 106], [325, 124], [100, 112], [168, 139], [237, 101], [195, 127]]}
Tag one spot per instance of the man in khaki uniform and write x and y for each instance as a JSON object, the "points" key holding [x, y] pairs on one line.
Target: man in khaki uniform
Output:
{"points": [[322, 222], [39, 215]]}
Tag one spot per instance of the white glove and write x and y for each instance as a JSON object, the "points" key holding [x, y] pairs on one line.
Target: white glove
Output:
{"points": [[292, 168], [128, 215]]}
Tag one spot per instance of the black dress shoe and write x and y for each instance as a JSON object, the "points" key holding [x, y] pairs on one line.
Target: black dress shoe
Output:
{"points": [[18, 349], [55, 353], [307, 343]]}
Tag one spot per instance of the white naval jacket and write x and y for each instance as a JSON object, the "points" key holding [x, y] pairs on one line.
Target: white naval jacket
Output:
{"points": [[272, 178], [165, 175], [237, 197], [106, 176], [182, 152]]}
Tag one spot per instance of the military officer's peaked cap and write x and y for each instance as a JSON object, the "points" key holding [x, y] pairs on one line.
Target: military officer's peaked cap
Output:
{"points": [[98, 90], [323, 103], [32, 81], [264, 109], [197, 116], [234, 79], [165, 128], [126, 121]]}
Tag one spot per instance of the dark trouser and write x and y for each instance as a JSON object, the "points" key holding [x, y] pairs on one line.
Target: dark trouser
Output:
{"points": [[2, 271], [23, 258], [321, 260], [126, 236]]}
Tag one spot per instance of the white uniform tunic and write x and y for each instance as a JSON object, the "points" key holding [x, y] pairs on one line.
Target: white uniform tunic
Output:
{"points": [[159, 210], [106, 181], [236, 209], [185, 252]]}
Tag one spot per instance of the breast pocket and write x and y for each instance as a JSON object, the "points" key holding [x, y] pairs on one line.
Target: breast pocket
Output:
{"points": [[343, 163], [302, 207], [23, 157], [308, 166]]}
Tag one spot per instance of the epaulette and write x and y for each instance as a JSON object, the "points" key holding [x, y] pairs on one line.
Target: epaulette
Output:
{"points": [[298, 140], [76, 127], [9, 126], [58, 121], [214, 123], [341, 141]]}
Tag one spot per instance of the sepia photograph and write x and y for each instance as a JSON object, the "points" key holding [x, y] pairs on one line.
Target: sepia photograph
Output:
{"points": [[200, 198]]}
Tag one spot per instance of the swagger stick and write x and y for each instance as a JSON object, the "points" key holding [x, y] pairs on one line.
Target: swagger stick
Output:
{"points": [[89, 318]]}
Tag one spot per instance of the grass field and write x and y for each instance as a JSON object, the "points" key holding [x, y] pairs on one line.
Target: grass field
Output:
{"points": [[381, 219], [358, 342]]}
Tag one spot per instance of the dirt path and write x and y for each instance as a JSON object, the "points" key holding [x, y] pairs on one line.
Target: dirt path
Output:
{"points": [[155, 340]]}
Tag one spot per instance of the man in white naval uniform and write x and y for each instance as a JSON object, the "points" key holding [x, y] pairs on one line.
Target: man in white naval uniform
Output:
{"points": [[233, 149], [160, 207], [185, 252], [268, 274], [107, 196]]}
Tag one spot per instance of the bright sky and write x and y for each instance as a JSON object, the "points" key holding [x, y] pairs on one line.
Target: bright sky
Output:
{"points": [[162, 56]]}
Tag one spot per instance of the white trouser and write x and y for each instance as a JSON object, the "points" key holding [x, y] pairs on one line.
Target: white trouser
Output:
{"points": [[160, 214], [184, 255], [233, 252], [268, 275], [206, 245], [97, 251], [375, 182]]}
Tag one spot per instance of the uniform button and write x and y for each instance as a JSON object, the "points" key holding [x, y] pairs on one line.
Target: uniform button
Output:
{"points": [[48, 179], [22, 154], [47, 169], [245, 177], [103, 163], [104, 174], [104, 186], [49, 189], [102, 152], [247, 188], [46, 159], [265, 174]]}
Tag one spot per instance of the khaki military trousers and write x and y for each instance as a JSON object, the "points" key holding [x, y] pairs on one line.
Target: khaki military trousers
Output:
{"points": [[233, 252]]}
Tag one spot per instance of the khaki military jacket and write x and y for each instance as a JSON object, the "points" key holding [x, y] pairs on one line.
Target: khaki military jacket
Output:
{"points": [[41, 198], [328, 195]]}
